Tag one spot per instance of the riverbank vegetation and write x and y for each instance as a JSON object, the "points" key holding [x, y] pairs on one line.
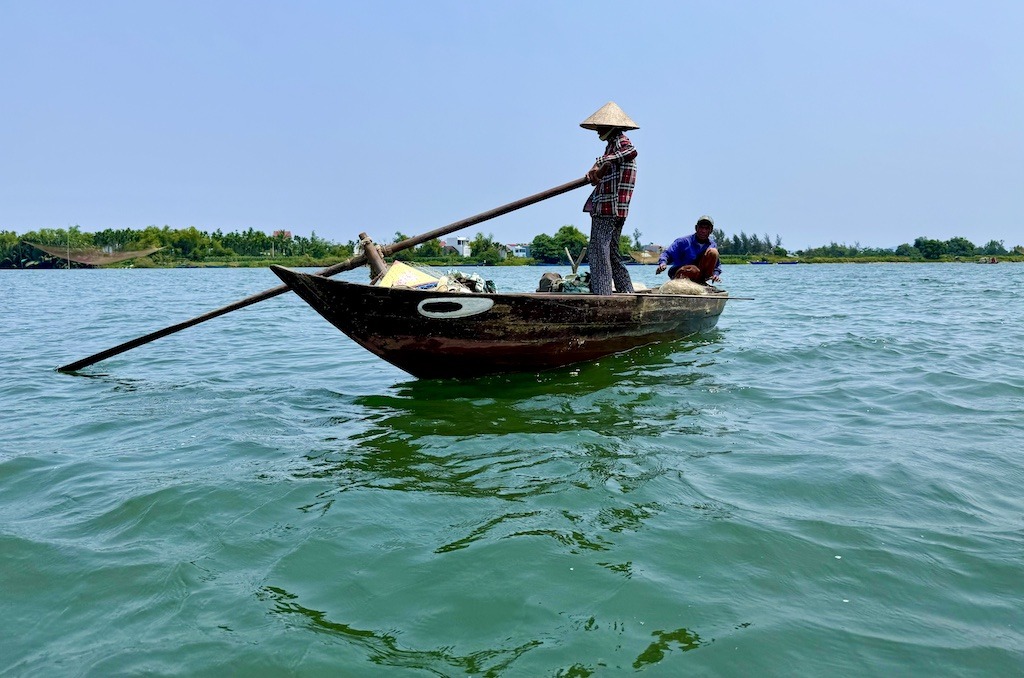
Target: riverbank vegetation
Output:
{"points": [[191, 247]]}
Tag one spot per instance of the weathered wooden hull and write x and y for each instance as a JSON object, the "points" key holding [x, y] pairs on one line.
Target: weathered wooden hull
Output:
{"points": [[436, 334]]}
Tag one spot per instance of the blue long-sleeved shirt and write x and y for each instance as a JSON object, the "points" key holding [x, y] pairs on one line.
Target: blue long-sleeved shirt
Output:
{"points": [[684, 251]]}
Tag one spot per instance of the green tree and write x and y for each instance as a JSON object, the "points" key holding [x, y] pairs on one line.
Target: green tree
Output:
{"points": [[544, 249], [9, 241], [114, 239], [754, 245], [402, 255], [907, 250], [481, 243], [71, 237], [152, 236], [282, 243], [483, 249], [745, 247], [959, 247], [723, 242], [737, 245], [318, 247], [218, 250], [430, 249], [625, 245], [489, 256], [190, 243], [993, 247], [929, 248], [569, 236]]}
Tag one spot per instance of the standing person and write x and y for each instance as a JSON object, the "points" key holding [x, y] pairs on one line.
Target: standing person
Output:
{"points": [[694, 256], [613, 177]]}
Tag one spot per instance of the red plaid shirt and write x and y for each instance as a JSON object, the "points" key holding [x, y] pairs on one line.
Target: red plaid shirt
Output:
{"points": [[612, 194]]}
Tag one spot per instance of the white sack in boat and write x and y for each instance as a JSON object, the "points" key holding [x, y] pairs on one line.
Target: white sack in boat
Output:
{"points": [[683, 286]]}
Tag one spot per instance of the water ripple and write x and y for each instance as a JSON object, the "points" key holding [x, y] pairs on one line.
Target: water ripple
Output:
{"points": [[829, 480]]}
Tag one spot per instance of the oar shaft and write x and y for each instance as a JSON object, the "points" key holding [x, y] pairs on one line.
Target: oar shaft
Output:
{"points": [[387, 250], [153, 336], [346, 265]]}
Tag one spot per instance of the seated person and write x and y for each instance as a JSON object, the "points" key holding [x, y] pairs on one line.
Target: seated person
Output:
{"points": [[694, 256]]}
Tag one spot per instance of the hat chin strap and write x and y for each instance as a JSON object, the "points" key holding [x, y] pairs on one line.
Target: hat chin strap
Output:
{"points": [[608, 135]]}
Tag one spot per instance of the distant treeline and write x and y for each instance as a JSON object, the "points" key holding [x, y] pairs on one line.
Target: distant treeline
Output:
{"points": [[191, 246], [923, 248], [183, 244]]}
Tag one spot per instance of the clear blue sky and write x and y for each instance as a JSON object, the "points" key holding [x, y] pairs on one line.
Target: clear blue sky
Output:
{"points": [[855, 122]]}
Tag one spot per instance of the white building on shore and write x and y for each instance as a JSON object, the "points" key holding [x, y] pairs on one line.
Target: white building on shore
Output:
{"points": [[461, 244]]}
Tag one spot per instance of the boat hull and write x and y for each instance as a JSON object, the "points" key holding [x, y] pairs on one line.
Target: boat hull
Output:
{"points": [[436, 334]]}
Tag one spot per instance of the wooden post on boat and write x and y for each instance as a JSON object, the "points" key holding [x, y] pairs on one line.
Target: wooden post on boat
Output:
{"points": [[575, 263], [347, 265], [377, 266]]}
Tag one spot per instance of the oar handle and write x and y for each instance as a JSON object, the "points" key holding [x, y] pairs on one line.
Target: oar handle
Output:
{"points": [[346, 265]]}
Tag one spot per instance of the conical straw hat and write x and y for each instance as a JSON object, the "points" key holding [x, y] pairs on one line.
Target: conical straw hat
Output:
{"points": [[609, 115]]}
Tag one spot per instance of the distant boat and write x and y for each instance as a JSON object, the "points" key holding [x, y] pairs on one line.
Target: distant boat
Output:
{"points": [[787, 262], [763, 261]]}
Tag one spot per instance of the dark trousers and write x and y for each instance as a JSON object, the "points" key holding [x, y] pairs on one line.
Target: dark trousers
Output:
{"points": [[603, 254]]}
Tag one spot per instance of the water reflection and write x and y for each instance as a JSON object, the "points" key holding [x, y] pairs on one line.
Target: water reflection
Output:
{"points": [[382, 648], [643, 366], [684, 639], [518, 477], [117, 384], [570, 461], [602, 497], [597, 432], [621, 391]]}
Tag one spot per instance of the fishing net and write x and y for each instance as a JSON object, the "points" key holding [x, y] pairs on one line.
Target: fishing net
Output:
{"points": [[92, 257], [683, 286]]}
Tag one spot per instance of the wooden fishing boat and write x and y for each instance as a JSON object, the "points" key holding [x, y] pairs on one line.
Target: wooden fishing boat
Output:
{"points": [[433, 334]]}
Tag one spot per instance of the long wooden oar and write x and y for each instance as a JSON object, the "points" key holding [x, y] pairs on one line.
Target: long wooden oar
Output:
{"points": [[348, 264]]}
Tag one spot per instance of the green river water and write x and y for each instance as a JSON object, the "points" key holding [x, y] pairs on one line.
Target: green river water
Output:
{"points": [[829, 484]]}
